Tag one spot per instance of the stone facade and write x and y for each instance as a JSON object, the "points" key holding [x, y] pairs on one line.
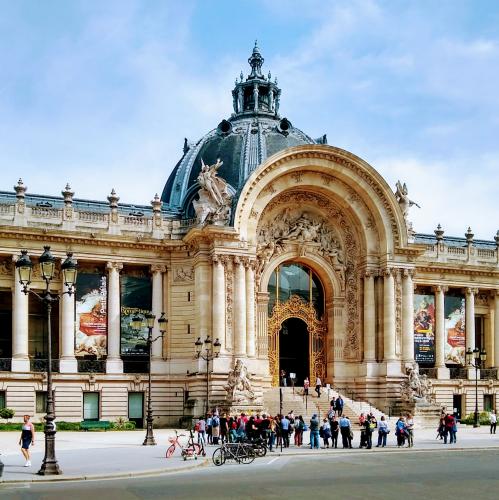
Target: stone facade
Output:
{"points": [[311, 204]]}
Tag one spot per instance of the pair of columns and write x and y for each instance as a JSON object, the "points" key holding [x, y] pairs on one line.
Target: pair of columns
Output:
{"points": [[114, 363], [68, 362], [389, 316], [242, 297]]}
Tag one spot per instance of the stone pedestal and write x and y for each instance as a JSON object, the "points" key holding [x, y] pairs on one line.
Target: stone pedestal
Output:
{"points": [[425, 414]]}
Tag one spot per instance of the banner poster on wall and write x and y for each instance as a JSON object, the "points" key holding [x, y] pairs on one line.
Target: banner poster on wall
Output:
{"points": [[455, 333], [424, 328], [136, 300], [91, 315]]}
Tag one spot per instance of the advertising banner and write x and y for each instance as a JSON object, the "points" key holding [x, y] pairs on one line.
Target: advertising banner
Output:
{"points": [[455, 333], [91, 315], [424, 328], [136, 300]]}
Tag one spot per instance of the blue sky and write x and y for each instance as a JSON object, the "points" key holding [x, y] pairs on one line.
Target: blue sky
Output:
{"points": [[101, 93]]}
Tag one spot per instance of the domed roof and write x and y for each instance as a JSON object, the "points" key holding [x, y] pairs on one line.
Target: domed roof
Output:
{"points": [[242, 142]]}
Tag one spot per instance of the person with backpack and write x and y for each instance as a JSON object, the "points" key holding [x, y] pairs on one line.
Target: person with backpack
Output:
{"points": [[200, 427], [400, 431], [299, 426], [215, 429], [326, 432], [208, 428]]}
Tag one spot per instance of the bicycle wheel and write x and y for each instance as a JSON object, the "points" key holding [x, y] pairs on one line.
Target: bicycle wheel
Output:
{"points": [[261, 450], [170, 451], [219, 456], [246, 455]]}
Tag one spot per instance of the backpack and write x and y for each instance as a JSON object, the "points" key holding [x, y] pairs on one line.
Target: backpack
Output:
{"points": [[196, 427], [215, 422]]}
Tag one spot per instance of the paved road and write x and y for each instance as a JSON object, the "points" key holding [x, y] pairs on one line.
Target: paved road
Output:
{"points": [[405, 474]]}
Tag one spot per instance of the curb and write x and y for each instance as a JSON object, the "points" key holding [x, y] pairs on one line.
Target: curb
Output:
{"points": [[119, 475], [357, 451]]}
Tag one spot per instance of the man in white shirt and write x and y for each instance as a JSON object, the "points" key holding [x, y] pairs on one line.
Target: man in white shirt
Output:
{"points": [[493, 422], [318, 385]]}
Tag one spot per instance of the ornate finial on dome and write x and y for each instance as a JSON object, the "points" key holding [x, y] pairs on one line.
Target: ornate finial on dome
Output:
{"points": [[241, 76], [68, 194], [20, 189], [255, 61], [113, 199]]}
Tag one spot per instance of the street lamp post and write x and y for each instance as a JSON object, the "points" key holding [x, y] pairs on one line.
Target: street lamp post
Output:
{"points": [[69, 272], [476, 358], [137, 324], [212, 350]]}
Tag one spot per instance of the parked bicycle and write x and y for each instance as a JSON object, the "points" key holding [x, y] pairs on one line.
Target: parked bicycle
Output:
{"points": [[259, 445], [191, 449], [240, 452]]}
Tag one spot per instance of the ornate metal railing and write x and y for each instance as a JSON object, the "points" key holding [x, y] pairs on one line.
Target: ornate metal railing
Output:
{"points": [[430, 372], [40, 365], [135, 366], [91, 366], [458, 372], [5, 364], [488, 374]]}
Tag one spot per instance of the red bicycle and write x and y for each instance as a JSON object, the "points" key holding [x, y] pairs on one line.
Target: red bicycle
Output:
{"points": [[191, 449]]}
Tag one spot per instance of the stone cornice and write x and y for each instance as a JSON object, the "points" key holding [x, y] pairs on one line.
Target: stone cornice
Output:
{"points": [[465, 271]]}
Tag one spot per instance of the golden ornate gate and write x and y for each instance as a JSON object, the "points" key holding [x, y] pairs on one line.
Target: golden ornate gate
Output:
{"points": [[296, 307]]}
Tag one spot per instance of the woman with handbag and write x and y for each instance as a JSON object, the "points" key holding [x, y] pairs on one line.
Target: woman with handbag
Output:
{"points": [[383, 431]]}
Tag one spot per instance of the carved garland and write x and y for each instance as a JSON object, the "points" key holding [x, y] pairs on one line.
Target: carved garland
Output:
{"points": [[296, 307], [352, 291]]}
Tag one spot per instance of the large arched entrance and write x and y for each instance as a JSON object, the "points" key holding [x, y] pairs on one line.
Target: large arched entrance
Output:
{"points": [[294, 354], [297, 323]]}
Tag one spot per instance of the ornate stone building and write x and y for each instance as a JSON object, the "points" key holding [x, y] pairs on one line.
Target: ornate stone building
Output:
{"points": [[295, 254]]}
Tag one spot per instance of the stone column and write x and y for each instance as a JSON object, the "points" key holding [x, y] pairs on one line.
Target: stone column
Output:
{"points": [[389, 330], [369, 318], [408, 316], [20, 350], [218, 316], [470, 325], [157, 308], [442, 371], [114, 364], [203, 286], [262, 319], [496, 329], [470, 317], [250, 308], [239, 307], [67, 361]]}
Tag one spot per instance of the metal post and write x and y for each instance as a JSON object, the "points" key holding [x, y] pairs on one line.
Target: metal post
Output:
{"points": [[49, 464], [149, 439], [207, 381], [475, 423], [280, 400]]}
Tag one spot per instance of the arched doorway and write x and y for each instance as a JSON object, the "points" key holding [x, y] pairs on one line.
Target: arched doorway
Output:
{"points": [[296, 315], [294, 356]]}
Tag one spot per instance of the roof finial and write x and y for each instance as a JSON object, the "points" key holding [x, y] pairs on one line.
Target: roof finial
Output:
{"points": [[256, 60]]}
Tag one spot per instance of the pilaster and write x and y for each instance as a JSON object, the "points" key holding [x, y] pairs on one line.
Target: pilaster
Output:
{"points": [[114, 364], [442, 371]]}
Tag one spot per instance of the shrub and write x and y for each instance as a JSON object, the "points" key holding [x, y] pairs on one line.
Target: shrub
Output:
{"points": [[68, 426], [483, 418], [7, 413], [122, 424]]}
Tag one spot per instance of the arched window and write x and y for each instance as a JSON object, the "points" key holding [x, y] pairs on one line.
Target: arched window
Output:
{"points": [[295, 279]]}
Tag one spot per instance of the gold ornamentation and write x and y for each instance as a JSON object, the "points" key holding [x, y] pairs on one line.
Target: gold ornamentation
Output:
{"points": [[296, 307]]}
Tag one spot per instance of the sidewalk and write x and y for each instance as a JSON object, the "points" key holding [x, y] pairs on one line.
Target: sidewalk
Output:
{"points": [[98, 455], [94, 455]]}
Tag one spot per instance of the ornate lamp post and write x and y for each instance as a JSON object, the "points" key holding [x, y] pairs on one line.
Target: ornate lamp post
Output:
{"points": [[137, 324], [476, 358], [69, 272], [212, 350]]}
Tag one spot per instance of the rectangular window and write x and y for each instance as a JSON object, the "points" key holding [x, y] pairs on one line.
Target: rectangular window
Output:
{"points": [[3, 400], [188, 296], [135, 405], [188, 328], [488, 402], [41, 402], [91, 406]]}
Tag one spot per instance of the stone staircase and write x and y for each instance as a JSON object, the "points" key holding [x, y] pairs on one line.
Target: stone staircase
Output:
{"points": [[308, 406]]}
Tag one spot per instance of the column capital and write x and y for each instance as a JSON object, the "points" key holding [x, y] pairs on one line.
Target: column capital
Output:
{"points": [[114, 265], [408, 273], [249, 263], [238, 260], [387, 272], [495, 293], [471, 291], [440, 288], [370, 273], [158, 268]]}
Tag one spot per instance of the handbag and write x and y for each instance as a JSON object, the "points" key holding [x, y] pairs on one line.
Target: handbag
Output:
{"points": [[305, 427]]}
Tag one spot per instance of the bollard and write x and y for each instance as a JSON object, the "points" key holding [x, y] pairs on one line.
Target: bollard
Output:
{"points": [[1, 468]]}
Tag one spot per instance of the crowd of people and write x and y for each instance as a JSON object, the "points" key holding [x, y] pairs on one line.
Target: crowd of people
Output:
{"points": [[280, 431]]}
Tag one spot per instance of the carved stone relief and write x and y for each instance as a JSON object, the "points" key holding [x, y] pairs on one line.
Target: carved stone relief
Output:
{"points": [[183, 273]]}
